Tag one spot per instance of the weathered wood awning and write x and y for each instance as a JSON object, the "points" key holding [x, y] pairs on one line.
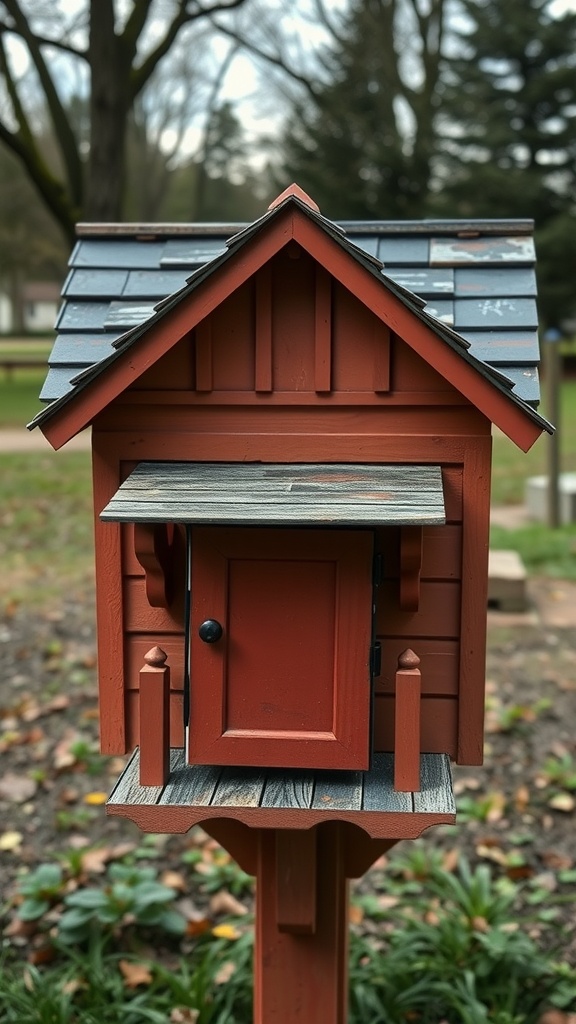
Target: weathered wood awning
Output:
{"points": [[255, 494], [282, 798]]}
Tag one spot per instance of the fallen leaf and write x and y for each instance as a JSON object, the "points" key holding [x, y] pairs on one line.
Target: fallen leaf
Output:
{"points": [[198, 927], [521, 798], [174, 880], [562, 802], [556, 861], [59, 703], [10, 842], [223, 902], [17, 789], [184, 1015], [94, 861], [96, 798], [135, 974], [224, 974], [355, 913], [226, 931]]}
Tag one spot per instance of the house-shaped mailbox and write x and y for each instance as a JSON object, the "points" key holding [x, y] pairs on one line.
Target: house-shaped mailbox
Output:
{"points": [[291, 482]]}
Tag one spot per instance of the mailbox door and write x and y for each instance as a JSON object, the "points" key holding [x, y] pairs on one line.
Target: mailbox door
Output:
{"points": [[281, 623]]}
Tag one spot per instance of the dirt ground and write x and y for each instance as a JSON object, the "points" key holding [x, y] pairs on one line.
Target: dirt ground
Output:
{"points": [[517, 812]]}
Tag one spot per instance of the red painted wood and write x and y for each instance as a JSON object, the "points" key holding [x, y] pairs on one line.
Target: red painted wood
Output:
{"points": [[105, 477], [336, 398], [475, 540], [137, 645], [407, 723], [302, 978], [141, 617], [438, 614], [204, 362], [233, 340], [294, 275], [439, 666], [449, 364], [441, 552], [171, 372], [154, 719], [439, 724], [410, 567], [323, 333], [132, 719], [152, 548], [179, 819], [263, 330], [296, 610], [296, 881], [391, 423], [381, 342]]}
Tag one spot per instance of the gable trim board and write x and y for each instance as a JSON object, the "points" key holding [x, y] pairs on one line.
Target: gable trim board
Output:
{"points": [[486, 388]]}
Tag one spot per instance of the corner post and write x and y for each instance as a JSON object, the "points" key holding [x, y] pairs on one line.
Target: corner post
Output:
{"points": [[407, 723], [154, 719]]}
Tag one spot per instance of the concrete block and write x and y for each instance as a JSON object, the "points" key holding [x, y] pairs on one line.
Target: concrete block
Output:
{"points": [[537, 498], [507, 582]]}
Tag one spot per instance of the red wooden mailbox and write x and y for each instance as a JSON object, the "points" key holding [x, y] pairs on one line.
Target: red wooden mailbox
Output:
{"points": [[291, 486]]}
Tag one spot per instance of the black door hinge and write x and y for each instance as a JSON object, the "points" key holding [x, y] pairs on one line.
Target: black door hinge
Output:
{"points": [[376, 659]]}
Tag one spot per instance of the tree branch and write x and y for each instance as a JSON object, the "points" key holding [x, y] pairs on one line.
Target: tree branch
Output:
{"points": [[62, 128], [58, 44], [185, 15], [274, 59]]}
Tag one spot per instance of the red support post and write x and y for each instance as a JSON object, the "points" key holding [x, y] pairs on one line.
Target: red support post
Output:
{"points": [[301, 966], [407, 723], [154, 719]]}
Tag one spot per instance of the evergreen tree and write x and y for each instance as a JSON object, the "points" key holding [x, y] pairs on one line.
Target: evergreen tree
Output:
{"points": [[363, 141], [509, 129]]}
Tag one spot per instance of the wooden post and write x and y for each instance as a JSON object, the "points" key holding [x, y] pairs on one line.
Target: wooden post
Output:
{"points": [[407, 723], [154, 719], [552, 367], [301, 966]]}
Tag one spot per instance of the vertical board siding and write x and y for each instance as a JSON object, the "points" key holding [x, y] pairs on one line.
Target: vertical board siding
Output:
{"points": [[323, 333], [108, 557], [263, 331], [476, 529], [293, 319], [203, 335], [233, 346]]}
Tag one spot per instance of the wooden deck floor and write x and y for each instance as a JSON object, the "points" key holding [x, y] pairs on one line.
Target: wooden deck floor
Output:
{"points": [[278, 798]]}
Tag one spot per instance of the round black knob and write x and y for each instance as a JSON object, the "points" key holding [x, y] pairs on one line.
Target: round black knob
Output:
{"points": [[210, 631]]}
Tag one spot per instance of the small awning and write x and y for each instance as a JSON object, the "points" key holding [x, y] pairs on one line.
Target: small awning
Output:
{"points": [[256, 494]]}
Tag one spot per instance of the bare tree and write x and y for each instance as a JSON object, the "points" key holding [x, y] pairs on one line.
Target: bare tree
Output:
{"points": [[120, 55]]}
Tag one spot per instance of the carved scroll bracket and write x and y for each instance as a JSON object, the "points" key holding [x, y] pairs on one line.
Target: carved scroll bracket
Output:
{"points": [[159, 548], [410, 567]]}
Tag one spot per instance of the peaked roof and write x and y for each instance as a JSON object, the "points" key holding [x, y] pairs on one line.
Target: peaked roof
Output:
{"points": [[363, 256]]}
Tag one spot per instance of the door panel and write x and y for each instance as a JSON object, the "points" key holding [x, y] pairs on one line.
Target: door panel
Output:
{"points": [[288, 683]]}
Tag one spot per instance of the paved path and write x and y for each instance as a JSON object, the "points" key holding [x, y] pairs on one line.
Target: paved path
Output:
{"points": [[23, 440]]}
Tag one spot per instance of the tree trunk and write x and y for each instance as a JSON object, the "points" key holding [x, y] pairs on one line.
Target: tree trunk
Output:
{"points": [[109, 107]]}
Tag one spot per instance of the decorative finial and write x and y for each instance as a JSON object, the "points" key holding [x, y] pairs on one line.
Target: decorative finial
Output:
{"points": [[298, 193], [408, 659], [156, 657]]}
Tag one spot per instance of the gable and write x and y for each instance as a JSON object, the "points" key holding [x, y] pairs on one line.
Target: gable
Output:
{"points": [[250, 254]]}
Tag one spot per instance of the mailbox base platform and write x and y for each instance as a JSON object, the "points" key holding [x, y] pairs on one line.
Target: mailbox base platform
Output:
{"points": [[287, 798]]}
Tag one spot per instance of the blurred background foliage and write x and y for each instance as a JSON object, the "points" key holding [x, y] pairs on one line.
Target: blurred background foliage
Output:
{"points": [[150, 110]]}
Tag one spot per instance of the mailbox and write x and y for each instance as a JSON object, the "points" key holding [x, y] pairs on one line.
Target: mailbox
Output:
{"points": [[291, 483]]}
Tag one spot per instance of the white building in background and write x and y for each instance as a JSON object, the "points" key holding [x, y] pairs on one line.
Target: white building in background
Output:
{"points": [[40, 302]]}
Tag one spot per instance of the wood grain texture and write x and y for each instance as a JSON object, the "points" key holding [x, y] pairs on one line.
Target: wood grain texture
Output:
{"points": [[438, 615], [204, 361], [296, 881], [380, 780], [109, 604], [229, 493], [288, 789], [154, 731], [263, 381], [323, 333], [301, 978], [436, 792], [407, 729], [439, 665], [439, 724], [410, 567], [475, 540], [253, 705]]}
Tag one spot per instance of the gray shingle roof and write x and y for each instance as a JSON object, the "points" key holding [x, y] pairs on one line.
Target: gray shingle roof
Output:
{"points": [[476, 279]]}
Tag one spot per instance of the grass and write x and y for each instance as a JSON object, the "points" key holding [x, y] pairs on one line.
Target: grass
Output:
{"points": [[46, 542], [511, 467], [429, 945]]}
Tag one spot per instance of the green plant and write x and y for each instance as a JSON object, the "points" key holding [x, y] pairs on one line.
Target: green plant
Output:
{"points": [[131, 896], [221, 872], [41, 889], [561, 771]]}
